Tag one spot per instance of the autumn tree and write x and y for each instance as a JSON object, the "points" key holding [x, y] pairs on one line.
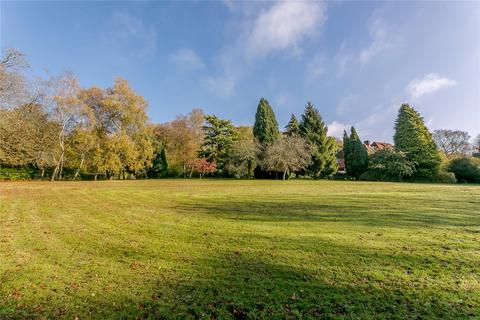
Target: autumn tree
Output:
{"points": [[202, 166], [452, 142], [286, 155], [27, 137], [314, 131], [122, 136], [67, 111]]}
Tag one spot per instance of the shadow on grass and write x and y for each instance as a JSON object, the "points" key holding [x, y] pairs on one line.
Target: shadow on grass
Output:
{"points": [[246, 287], [242, 284], [391, 214]]}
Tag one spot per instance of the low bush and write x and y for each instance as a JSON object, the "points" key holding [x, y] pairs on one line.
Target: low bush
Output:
{"points": [[373, 175], [22, 173], [466, 169], [445, 177]]}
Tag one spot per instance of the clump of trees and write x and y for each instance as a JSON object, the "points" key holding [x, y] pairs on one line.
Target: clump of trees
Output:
{"points": [[55, 128]]}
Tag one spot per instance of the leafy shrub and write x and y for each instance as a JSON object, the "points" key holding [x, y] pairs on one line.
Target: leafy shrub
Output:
{"points": [[389, 165], [21, 173], [466, 169], [445, 177]]}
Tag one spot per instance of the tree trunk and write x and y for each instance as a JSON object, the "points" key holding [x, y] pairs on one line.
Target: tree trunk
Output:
{"points": [[79, 167], [95, 177], [54, 173], [285, 173]]}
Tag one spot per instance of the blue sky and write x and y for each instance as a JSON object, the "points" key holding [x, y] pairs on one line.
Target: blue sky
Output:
{"points": [[356, 61]]}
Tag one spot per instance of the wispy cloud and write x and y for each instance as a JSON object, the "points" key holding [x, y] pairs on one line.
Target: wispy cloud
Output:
{"points": [[346, 104], [128, 35], [429, 84], [284, 26], [318, 65], [186, 59], [380, 39]]}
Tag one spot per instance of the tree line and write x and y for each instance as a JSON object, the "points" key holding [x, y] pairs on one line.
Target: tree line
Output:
{"points": [[53, 128]]}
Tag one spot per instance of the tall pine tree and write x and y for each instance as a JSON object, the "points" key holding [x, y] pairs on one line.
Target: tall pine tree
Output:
{"points": [[356, 154], [265, 128], [347, 153], [292, 128], [413, 138], [314, 130]]}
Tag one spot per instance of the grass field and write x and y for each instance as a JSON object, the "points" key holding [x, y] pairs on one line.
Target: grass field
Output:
{"points": [[239, 249]]}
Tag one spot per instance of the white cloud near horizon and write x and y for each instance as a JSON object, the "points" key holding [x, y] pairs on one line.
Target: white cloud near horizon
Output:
{"points": [[429, 84], [186, 59], [335, 129]]}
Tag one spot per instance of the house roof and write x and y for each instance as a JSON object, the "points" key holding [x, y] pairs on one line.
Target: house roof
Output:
{"points": [[381, 145]]}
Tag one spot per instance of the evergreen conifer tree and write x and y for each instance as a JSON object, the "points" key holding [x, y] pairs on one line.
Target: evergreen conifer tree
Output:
{"points": [[219, 138], [413, 138], [347, 153], [292, 128], [314, 130], [358, 155], [265, 128], [159, 167]]}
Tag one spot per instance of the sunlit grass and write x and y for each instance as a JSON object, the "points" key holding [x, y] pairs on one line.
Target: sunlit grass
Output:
{"points": [[239, 249]]}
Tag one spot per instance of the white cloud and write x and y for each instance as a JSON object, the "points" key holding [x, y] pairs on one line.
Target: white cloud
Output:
{"points": [[336, 128], [127, 34], [284, 26], [429, 84], [186, 59]]}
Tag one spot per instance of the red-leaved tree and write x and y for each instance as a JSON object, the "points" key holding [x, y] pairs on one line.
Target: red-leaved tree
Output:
{"points": [[203, 166]]}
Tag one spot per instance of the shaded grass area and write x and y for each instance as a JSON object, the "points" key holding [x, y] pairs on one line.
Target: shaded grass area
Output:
{"points": [[239, 249]]}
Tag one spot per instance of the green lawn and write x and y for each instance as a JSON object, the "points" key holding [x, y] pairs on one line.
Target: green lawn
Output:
{"points": [[239, 249]]}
